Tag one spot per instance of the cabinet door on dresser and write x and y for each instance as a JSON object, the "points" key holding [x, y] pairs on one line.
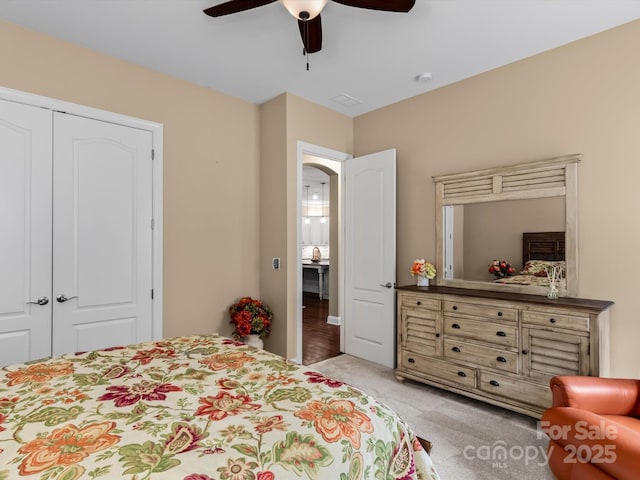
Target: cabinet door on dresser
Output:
{"points": [[546, 353], [555, 343], [420, 329]]}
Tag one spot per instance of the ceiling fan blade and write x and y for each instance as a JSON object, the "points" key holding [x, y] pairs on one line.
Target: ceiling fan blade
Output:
{"points": [[311, 33], [384, 5], [235, 6]]}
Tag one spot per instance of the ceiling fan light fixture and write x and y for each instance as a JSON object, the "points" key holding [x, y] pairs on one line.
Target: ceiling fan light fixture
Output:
{"points": [[304, 9]]}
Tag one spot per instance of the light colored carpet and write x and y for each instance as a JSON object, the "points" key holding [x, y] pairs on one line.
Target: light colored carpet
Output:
{"points": [[467, 435]]}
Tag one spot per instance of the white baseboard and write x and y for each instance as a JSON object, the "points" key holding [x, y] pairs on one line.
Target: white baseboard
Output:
{"points": [[333, 320]]}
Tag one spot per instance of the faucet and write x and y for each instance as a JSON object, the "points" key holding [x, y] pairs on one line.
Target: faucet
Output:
{"points": [[316, 254]]}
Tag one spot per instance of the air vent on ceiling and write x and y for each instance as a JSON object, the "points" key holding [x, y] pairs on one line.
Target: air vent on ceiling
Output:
{"points": [[346, 100]]}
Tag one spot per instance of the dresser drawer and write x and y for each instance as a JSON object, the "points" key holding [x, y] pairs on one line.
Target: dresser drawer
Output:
{"points": [[480, 355], [437, 368], [552, 319], [420, 301], [500, 334], [487, 311], [537, 394]]}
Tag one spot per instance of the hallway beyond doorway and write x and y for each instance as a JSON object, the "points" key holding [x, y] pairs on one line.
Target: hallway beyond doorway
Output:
{"points": [[320, 340]]}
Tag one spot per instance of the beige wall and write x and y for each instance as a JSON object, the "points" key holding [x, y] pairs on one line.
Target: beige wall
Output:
{"points": [[273, 221], [580, 98], [211, 157], [310, 123]]}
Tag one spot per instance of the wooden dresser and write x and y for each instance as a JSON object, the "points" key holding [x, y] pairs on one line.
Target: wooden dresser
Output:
{"points": [[502, 348]]}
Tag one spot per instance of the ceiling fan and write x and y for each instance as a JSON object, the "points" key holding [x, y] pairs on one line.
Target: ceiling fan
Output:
{"points": [[307, 12]]}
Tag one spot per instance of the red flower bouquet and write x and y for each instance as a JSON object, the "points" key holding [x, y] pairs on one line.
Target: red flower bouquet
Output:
{"points": [[250, 316], [501, 268]]}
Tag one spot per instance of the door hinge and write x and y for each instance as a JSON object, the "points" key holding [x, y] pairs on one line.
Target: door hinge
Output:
{"points": [[153, 223], [153, 154], [152, 294]]}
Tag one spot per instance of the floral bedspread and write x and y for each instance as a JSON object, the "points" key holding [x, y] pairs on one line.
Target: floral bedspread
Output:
{"points": [[524, 280], [195, 408], [528, 280]]}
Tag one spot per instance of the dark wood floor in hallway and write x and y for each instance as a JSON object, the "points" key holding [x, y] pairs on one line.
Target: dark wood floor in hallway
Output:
{"points": [[320, 340]]}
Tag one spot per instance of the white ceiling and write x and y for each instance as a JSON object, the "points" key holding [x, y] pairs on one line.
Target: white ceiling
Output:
{"points": [[372, 56]]}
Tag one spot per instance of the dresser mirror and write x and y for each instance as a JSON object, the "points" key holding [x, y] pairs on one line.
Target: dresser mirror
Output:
{"points": [[525, 214]]}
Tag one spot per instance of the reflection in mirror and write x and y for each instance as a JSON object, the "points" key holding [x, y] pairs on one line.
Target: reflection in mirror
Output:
{"points": [[478, 233], [482, 215]]}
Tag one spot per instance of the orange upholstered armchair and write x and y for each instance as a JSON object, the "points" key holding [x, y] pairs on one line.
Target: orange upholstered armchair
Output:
{"points": [[594, 428]]}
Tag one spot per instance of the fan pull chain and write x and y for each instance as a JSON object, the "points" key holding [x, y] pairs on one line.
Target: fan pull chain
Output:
{"points": [[306, 36]]}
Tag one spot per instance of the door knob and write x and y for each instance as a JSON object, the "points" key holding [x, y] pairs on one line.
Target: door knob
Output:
{"points": [[40, 301], [61, 298], [387, 285]]}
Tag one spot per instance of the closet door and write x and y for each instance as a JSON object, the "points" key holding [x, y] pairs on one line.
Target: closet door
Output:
{"points": [[102, 237], [25, 233]]}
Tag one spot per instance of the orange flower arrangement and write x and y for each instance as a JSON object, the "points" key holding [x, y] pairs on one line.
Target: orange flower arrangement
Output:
{"points": [[422, 268], [250, 316]]}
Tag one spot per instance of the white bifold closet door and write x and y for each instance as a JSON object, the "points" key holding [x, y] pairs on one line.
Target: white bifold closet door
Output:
{"points": [[102, 242], [25, 232], [76, 229]]}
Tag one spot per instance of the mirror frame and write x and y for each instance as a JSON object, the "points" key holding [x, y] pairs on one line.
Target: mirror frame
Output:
{"points": [[554, 177]]}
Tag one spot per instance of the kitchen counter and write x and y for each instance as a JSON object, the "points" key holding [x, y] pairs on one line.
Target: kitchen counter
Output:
{"points": [[321, 268]]}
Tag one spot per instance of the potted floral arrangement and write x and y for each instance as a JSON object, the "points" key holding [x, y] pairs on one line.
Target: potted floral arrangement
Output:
{"points": [[501, 269], [423, 270], [252, 320]]}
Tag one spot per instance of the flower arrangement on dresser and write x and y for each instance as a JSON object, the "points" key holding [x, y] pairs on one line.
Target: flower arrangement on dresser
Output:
{"points": [[250, 317], [423, 270], [501, 268]]}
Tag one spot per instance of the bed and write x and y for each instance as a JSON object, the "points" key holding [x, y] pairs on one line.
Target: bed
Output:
{"points": [[540, 250], [195, 408]]}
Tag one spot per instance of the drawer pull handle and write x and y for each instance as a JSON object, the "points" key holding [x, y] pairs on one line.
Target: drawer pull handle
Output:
{"points": [[501, 359], [499, 314], [411, 360], [418, 302], [552, 320], [437, 335], [494, 383], [455, 325], [501, 334], [455, 307], [462, 374], [525, 352], [456, 349]]}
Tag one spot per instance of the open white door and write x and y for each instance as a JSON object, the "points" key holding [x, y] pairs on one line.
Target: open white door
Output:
{"points": [[370, 252]]}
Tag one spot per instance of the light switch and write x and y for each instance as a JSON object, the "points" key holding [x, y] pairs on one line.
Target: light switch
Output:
{"points": [[276, 264]]}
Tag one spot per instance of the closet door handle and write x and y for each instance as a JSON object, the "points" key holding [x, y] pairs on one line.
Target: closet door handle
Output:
{"points": [[61, 298], [40, 301]]}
